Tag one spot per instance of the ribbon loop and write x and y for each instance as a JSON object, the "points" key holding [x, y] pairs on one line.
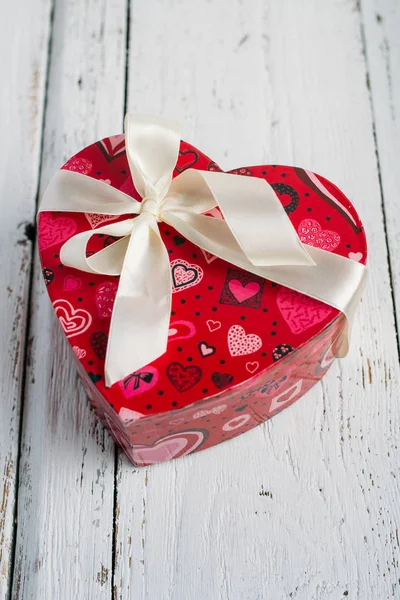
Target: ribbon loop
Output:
{"points": [[255, 234], [152, 147]]}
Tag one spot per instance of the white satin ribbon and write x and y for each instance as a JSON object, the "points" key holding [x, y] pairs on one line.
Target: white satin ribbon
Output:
{"points": [[256, 234]]}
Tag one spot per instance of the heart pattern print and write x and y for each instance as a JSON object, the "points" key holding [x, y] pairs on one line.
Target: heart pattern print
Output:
{"points": [[185, 275], [240, 343], [243, 292], [242, 289], [183, 378], [310, 232], [54, 231], [301, 312], [79, 165], [172, 446], [105, 297], [235, 340], [96, 220], [74, 321]]}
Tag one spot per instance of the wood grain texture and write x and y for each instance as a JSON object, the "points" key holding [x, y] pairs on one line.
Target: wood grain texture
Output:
{"points": [[22, 77], [381, 23], [305, 506], [65, 503]]}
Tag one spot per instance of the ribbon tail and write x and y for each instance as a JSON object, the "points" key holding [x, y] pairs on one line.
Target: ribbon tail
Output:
{"points": [[69, 191], [333, 280], [251, 209], [342, 345], [210, 234], [141, 315]]}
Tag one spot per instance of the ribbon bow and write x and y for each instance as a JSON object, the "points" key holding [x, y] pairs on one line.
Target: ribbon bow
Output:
{"points": [[256, 235]]}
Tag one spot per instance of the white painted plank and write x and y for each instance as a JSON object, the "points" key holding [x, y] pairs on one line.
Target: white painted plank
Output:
{"points": [[65, 505], [22, 76], [306, 506], [381, 20]]}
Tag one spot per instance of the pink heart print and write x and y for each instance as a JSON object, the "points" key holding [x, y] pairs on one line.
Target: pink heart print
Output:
{"points": [[240, 343], [180, 443], [209, 258], [79, 165], [357, 256], [252, 367], [73, 320], [299, 311], [206, 350], [54, 231], [127, 415], [95, 220], [311, 233], [243, 292], [79, 352], [105, 297]]}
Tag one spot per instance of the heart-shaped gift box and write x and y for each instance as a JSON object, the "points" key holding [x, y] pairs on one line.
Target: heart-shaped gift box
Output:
{"points": [[240, 347]]}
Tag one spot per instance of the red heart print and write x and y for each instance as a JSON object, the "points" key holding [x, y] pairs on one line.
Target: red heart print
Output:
{"points": [[311, 233], [221, 380], [112, 147], [98, 342], [54, 231], [73, 320], [252, 366], [105, 298], [243, 292], [72, 283], [183, 378], [300, 312], [240, 343], [188, 160], [213, 325]]}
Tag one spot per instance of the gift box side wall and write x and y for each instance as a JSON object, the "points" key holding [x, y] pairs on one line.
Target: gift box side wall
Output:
{"points": [[225, 415]]}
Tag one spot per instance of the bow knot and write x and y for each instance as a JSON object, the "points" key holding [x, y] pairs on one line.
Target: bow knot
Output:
{"points": [[255, 234], [150, 205]]}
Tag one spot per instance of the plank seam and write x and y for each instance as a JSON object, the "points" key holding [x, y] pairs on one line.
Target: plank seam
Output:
{"points": [[116, 449], [378, 164], [27, 343], [114, 526], [127, 47]]}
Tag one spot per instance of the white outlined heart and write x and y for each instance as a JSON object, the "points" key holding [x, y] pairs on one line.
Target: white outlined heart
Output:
{"points": [[74, 321], [276, 402]]}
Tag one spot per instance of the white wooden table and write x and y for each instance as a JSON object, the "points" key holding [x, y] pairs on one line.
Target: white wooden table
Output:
{"points": [[304, 507]]}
